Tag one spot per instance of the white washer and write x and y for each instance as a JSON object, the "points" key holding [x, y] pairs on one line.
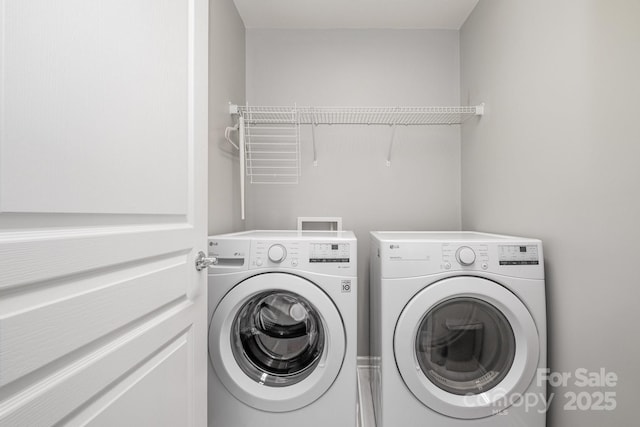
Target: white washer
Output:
{"points": [[283, 329], [458, 330]]}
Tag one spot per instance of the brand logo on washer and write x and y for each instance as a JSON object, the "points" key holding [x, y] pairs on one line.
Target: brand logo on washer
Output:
{"points": [[394, 246], [346, 286]]}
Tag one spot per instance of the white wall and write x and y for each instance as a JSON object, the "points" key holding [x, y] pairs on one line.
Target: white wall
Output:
{"points": [[226, 83], [421, 188], [556, 157]]}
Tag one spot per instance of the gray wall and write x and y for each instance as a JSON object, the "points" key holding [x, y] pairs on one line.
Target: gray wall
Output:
{"points": [[556, 157], [421, 188], [226, 83]]}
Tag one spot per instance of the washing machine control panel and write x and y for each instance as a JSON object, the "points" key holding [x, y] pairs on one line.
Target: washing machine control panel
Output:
{"points": [[324, 256], [265, 253], [277, 253], [329, 252], [325, 253]]}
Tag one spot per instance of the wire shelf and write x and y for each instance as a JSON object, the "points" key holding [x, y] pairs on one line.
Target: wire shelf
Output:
{"points": [[359, 115], [270, 137], [386, 115]]}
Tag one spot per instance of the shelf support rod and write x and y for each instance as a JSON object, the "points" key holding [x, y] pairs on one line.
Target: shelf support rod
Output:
{"points": [[393, 137], [241, 146], [313, 137]]}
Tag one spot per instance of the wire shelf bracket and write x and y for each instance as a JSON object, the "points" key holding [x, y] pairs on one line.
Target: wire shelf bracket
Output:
{"points": [[393, 137], [313, 140]]}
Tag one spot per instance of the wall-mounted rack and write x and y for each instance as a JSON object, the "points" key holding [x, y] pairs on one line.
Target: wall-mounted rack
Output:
{"points": [[357, 115], [269, 136]]}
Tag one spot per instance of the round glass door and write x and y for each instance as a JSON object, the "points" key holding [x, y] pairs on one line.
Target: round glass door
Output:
{"points": [[466, 345], [276, 342], [277, 338]]}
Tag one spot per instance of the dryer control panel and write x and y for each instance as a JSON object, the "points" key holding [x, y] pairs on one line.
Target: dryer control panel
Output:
{"points": [[518, 255], [515, 257], [466, 255]]}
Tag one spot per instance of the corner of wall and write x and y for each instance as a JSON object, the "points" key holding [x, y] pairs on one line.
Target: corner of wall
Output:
{"points": [[227, 83]]}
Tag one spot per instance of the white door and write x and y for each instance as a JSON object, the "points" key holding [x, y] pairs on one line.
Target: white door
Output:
{"points": [[103, 112]]}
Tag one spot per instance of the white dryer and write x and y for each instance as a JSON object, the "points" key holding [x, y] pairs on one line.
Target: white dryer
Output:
{"points": [[458, 330], [282, 330]]}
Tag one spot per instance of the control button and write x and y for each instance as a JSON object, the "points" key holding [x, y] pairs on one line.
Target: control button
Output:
{"points": [[485, 265], [294, 262], [277, 253], [259, 262], [465, 255], [447, 266]]}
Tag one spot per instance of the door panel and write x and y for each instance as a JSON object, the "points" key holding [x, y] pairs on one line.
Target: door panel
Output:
{"points": [[73, 384], [42, 328], [103, 130], [101, 81], [166, 407], [29, 257]]}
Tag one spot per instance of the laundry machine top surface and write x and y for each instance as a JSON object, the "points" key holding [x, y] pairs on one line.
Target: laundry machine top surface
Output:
{"points": [[289, 234], [439, 236]]}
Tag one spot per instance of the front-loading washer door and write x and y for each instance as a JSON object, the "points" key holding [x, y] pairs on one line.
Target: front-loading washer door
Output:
{"points": [[466, 347], [277, 342]]}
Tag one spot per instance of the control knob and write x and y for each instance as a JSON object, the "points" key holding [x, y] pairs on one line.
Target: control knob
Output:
{"points": [[277, 253], [465, 255]]}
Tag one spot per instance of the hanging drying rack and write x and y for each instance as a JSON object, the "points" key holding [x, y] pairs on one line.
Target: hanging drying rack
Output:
{"points": [[269, 136]]}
